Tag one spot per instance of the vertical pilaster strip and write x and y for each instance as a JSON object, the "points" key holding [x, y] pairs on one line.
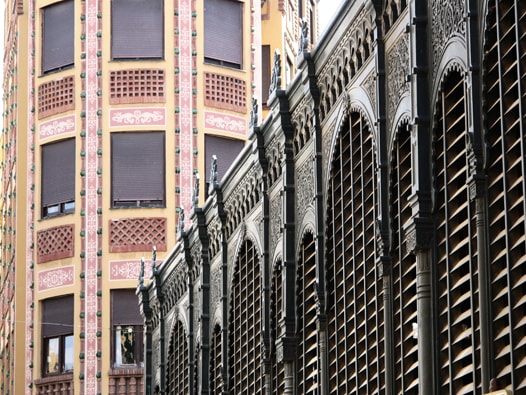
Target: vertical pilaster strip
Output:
{"points": [[419, 230], [30, 240], [477, 185], [91, 248], [184, 85]]}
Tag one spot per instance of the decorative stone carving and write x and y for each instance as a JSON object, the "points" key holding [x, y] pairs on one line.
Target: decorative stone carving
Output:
{"points": [[369, 86], [305, 188], [447, 21], [398, 69], [275, 221]]}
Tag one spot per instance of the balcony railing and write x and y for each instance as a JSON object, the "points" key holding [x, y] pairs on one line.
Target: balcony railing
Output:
{"points": [[126, 381], [55, 385]]}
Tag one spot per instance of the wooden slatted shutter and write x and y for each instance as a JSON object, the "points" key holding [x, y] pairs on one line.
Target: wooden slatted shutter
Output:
{"points": [[138, 173], [456, 266], [505, 82], [137, 29], [58, 172], [265, 72], [124, 308], [246, 375], [403, 271], [307, 367], [224, 32], [177, 369], [58, 35], [216, 362], [355, 311]]}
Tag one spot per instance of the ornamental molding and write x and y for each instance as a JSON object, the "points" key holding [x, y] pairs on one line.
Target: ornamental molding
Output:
{"points": [[305, 188], [56, 278], [398, 69], [153, 116], [129, 269], [225, 123], [57, 127]]}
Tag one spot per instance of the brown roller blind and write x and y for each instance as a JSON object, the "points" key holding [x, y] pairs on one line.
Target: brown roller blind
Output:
{"points": [[137, 166], [226, 151], [125, 307], [137, 29], [57, 316], [265, 72], [58, 172], [58, 34], [224, 32]]}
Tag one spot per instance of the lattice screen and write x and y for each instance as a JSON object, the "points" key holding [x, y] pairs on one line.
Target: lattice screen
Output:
{"points": [[456, 267], [55, 243], [177, 369], [355, 312], [246, 376], [276, 309], [505, 81], [137, 234], [137, 86], [403, 271], [225, 92]]}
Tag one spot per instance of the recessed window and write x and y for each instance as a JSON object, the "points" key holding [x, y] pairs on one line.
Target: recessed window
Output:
{"points": [[224, 33], [57, 335], [58, 33], [137, 29], [58, 178], [127, 329], [137, 171]]}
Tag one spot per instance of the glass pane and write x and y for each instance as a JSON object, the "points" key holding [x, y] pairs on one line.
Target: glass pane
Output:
{"points": [[128, 345], [68, 353], [53, 356]]}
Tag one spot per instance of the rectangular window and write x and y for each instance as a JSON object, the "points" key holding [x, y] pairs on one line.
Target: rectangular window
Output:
{"points": [[58, 33], [137, 169], [58, 178], [57, 335], [265, 71], [137, 28], [127, 325], [224, 33]]}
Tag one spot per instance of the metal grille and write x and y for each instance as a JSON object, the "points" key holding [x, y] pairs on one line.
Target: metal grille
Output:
{"points": [[403, 271], [306, 313], [177, 377], [355, 311], [245, 324], [276, 306], [456, 267], [216, 362], [505, 81]]}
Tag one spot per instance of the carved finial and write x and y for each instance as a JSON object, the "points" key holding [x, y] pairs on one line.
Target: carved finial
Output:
{"points": [[181, 219], [304, 37], [195, 198], [141, 272], [254, 112], [213, 171], [154, 258], [275, 79]]}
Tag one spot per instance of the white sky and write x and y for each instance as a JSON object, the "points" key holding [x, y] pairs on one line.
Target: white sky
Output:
{"points": [[326, 11]]}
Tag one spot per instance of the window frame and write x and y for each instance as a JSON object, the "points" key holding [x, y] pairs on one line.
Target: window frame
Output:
{"points": [[46, 43], [64, 205], [218, 47], [140, 201], [122, 317], [120, 37], [58, 327]]}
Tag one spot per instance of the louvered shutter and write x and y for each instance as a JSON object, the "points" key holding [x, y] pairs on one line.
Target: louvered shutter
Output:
{"points": [[226, 150], [125, 308], [58, 172], [138, 167], [58, 33], [137, 29], [57, 316], [224, 31]]}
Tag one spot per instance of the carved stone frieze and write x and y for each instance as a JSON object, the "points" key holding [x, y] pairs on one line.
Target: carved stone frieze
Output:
{"points": [[398, 69], [216, 286], [304, 188], [276, 208], [447, 21], [369, 86]]}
